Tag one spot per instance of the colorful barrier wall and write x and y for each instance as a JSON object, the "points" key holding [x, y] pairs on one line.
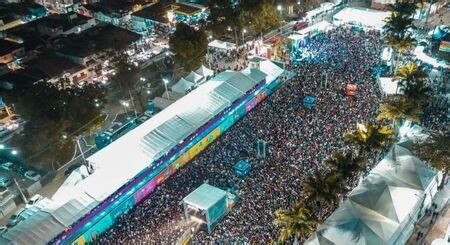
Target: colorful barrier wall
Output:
{"points": [[148, 183]]}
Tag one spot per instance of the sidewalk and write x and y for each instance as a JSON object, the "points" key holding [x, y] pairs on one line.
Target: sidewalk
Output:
{"points": [[436, 228]]}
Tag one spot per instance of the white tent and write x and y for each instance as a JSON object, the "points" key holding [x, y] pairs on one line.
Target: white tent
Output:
{"points": [[383, 208], [316, 28], [204, 71], [182, 86], [194, 77], [368, 18], [222, 45]]}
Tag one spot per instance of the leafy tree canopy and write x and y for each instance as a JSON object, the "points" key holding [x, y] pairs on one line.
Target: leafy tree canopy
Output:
{"points": [[189, 45]]}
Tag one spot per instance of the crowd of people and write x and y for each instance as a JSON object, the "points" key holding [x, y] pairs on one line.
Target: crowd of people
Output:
{"points": [[298, 140]]}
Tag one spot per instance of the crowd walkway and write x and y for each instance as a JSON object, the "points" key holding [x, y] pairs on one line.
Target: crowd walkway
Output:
{"points": [[435, 224]]}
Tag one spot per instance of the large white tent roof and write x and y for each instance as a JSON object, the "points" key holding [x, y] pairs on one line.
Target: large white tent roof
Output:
{"points": [[361, 16], [376, 209], [222, 45]]}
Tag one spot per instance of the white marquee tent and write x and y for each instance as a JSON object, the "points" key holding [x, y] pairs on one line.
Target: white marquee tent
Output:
{"points": [[368, 18], [222, 45], [384, 207]]}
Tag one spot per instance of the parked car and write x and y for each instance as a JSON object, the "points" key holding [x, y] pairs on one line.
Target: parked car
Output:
{"points": [[7, 166], [30, 174], [5, 180], [3, 190], [3, 229], [35, 199], [16, 217]]}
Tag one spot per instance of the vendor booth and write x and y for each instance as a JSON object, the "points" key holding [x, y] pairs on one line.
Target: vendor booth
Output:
{"points": [[221, 45]]}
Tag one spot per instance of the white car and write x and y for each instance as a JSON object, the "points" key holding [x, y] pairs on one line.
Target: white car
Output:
{"points": [[35, 199], [3, 190], [7, 165], [3, 229], [30, 174]]}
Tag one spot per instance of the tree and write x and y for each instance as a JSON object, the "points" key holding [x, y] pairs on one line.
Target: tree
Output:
{"points": [[294, 222], [369, 137], [397, 32], [223, 19], [260, 16], [346, 165], [189, 46], [435, 151], [399, 109], [52, 113], [323, 188], [404, 8], [123, 83], [412, 81]]}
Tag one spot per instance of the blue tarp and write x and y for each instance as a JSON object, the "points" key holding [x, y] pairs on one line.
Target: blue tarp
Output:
{"points": [[242, 168], [309, 101]]}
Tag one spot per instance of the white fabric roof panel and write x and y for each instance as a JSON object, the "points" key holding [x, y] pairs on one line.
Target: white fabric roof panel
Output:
{"points": [[195, 116], [155, 143], [227, 92], [176, 129], [194, 77], [36, 230], [182, 86]]}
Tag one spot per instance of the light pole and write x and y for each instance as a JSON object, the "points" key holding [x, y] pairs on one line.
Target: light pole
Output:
{"points": [[125, 105], [280, 8], [13, 151], [235, 35], [243, 36], [165, 85]]}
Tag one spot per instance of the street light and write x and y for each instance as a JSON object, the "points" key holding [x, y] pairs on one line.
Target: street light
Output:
{"points": [[125, 105], [165, 85], [243, 36], [280, 8]]}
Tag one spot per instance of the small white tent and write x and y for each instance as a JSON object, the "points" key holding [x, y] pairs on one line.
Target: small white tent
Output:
{"points": [[222, 45], [182, 86]]}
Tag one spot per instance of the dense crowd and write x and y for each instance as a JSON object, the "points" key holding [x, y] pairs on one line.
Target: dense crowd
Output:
{"points": [[298, 140]]}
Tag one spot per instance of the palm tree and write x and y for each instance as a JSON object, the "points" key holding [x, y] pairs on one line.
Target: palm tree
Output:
{"points": [[397, 33], [399, 109], [294, 222], [409, 73], [400, 46], [404, 8], [435, 151], [323, 188], [346, 164], [412, 80], [369, 137]]}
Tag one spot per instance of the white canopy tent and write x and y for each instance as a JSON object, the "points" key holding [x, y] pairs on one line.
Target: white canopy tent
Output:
{"points": [[194, 77], [182, 86], [222, 45], [205, 72], [383, 208], [367, 18]]}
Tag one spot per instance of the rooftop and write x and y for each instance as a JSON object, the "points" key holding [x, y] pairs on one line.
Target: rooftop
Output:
{"points": [[53, 65], [156, 12], [205, 196], [65, 21], [186, 9], [7, 47], [96, 39]]}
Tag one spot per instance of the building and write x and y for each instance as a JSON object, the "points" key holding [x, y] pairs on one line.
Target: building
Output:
{"points": [[131, 167], [154, 18], [10, 51], [56, 68], [88, 47], [420, 13], [384, 207], [189, 13], [107, 14], [64, 24]]}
